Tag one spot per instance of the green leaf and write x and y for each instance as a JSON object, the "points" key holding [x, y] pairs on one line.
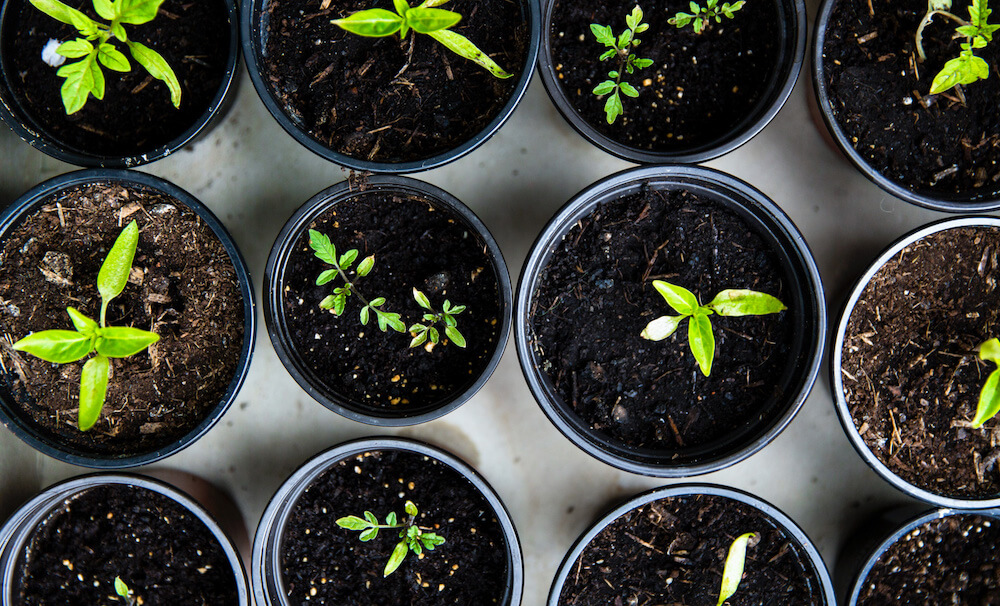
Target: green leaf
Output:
{"points": [[93, 390], [377, 302], [83, 78], [737, 302], [158, 68], [105, 9], [643, 63], [661, 328], [61, 12], [679, 298], [347, 259], [113, 277], [634, 18], [680, 19], [421, 299], [119, 31], [74, 49], [433, 3], [57, 346], [461, 46], [433, 335], [431, 540], [112, 58], [733, 571], [339, 303], [390, 520], [625, 38], [603, 34], [365, 315], [416, 546], [455, 336], [85, 325], [401, 7], [613, 74], [702, 341], [613, 107], [122, 342], [410, 508], [369, 534], [989, 400], [371, 518], [427, 20], [605, 87], [642, 27], [366, 265], [322, 247], [450, 320], [628, 90], [419, 339], [457, 309], [389, 320], [373, 23], [608, 54], [990, 351], [137, 12], [352, 523], [327, 302], [326, 276], [396, 558], [964, 69], [121, 588]]}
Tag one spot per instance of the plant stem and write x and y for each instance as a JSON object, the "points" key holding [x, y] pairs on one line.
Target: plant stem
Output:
{"points": [[349, 284], [926, 21]]}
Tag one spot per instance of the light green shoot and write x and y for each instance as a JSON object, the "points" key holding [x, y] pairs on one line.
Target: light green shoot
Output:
{"points": [[95, 47], [124, 592], [702, 16], [422, 19], [620, 47], [989, 396], [732, 573], [700, 338], [65, 346], [412, 537], [427, 332], [977, 31]]}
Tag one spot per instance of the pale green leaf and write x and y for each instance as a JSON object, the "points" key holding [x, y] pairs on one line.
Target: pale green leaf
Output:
{"points": [[352, 523], [737, 302], [83, 78], [137, 12], [427, 20], [702, 342], [119, 31], [390, 520], [628, 90], [733, 571], [74, 49], [371, 518], [604, 87], [122, 341], [373, 23], [401, 7], [365, 315], [60, 12], [393, 321], [455, 336], [347, 259], [419, 339], [322, 247], [158, 68], [112, 58], [613, 107], [989, 400], [421, 299], [396, 558], [990, 350], [377, 302], [82, 323], [121, 588], [93, 390], [462, 46], [661, 328], [433, 335], [328, 301], [326, 276], [410, 508], [603, 34], [634, 18], [679, 298], [105, 9], [57, 346], [366, 265], [369, 534], [113, 277]]}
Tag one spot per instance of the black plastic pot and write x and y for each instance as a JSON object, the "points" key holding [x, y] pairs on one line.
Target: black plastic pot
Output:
{"points": [[38, 136], [766, 509], [837, 379], [265, 571], [12, 416], [928, 199], [807, 302], [274, 309], [254, 21], [782, 80], [18, 529]]}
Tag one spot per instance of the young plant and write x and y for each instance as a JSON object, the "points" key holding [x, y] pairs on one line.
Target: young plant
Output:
{"points": [[967, 67], [95, 47], [422, 19], [621, 48], [337, 302], [732, 573], [702, 16], [989, 396], [124, 592], [425, 332], [65, 346], [412, 537], [700, 337]]}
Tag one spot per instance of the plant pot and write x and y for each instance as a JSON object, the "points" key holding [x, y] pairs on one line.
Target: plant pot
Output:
{"points": [[199, 294], [422, 238], [695, 106], [96, 135], [342, 105], [919, 440], [659, 546], [602, 385], [481, 553], [49, 544], [940, 556], [874, 108]]}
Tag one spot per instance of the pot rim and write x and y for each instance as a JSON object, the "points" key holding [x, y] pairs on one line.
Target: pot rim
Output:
{"points": [[836, 362], [11, 216], [784, 238], [266, 567], [251, 26]]}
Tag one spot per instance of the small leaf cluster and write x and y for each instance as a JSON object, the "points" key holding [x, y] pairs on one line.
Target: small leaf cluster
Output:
{"points": [[701, 16], [732, 573], [65, 346], [124, 591], [700, 337], [422, 19], [412, 537], [989, 395], [427, 332], [621, 47], [967, 67], [95, 48]]}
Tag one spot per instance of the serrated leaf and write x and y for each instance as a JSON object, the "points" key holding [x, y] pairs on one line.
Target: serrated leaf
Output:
{"points": [[634, 18], [366, 265], [603, 34], [83, 78], [625, 38], [964, 69], [733, 571], [112, 58], [93, 390], [74, 49], [661, 328], [122, 341], [114, 273], [702, 342], [455, 336], [83, 324], [463, 47], [643, 63], [396, 558], [352, 523], [628, 90], [605, 87], [421, 299], [56, 346], [679, 298], [392, 319], [326, 276], [738, 302], [347, 259], [431, 540], [373, 23], [322, 247], [158, 68]]}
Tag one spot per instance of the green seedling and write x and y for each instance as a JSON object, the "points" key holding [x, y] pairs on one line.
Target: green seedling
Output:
{"points": [[95, 48], [446, 317], [989, 396], [966, 68], [701, 16], [412, 537], [65, 346], [621, 48], [422, 19], [326, 251], [700, 337], [124, 592], [732, 573]]}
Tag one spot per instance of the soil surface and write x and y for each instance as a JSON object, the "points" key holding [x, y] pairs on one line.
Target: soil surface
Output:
{"points": [[386, 99], [699, 87], [183, 287], [192, 36], [326, 564], [880, 96], [416, 245], [673, 551], [948, 561], [164, 553], [595, 297], [911, 370]]}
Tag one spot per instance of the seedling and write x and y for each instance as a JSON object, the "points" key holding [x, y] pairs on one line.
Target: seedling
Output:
{"points": [[422, 19], [702, 16], [967, 67], [732, 573], [700, 337], [65, 346], [326, 251], [95, 48], [620, 47], [124, 592], [989, 396], [412, 537], [427, 332]]}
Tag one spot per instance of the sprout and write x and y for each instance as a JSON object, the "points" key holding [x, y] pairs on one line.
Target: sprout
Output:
{"points": [[989, 396], [424, 332], [967, 67], [620, 47], [702, 16], [732, 573], [124, 592], [412, 537]]}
